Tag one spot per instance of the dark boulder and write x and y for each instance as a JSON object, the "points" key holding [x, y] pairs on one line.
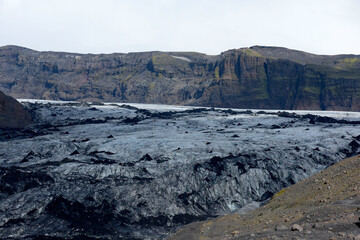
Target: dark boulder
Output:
{"points": [[12, 113]]}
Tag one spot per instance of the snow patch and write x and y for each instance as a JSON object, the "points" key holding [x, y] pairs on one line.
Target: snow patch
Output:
{"points": [[182, 58]]}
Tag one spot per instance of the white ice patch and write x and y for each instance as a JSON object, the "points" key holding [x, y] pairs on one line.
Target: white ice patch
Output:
{"points": [[182, 58], [248, 207], [162, 107]]}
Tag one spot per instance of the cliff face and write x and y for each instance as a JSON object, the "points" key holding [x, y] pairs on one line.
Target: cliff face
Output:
{"points": [[12, 113], [257, 77]]}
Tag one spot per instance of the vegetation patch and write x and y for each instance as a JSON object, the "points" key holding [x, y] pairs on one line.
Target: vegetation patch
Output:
{"points": [[152, 85], [278, 193], [333, 73], [216, 73], [350, 61], [251, 53], [128, 77], [312, 89]]}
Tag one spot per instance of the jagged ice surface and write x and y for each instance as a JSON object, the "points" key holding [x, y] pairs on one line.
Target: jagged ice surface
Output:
{"points": [[115, 171]]}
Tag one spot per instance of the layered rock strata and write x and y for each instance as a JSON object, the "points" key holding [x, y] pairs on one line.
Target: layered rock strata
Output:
{"points": [[256, 77]]}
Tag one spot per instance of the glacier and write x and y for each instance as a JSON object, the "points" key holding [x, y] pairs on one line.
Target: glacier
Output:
{"points": [[136, 171]]}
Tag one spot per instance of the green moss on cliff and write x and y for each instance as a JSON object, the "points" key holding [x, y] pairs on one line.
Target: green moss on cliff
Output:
{"points": [[332, 73], [350, 60], [216, 73], [128, 77], [251, 53], [255, 92], [312, 90], [152, 85], [348, 63]]}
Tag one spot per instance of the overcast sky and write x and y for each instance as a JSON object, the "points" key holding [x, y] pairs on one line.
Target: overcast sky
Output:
{"points": [[208, 26]]}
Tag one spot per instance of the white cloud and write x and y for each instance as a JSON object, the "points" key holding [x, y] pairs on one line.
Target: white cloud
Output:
{"points": [[9, 4], [210, 26]]}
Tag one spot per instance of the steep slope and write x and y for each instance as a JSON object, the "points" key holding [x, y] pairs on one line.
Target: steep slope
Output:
{"points": [[12, 113], [257, 77], [324, 206]]}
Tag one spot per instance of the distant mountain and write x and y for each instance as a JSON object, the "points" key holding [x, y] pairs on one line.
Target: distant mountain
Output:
{"points": [[12, 113], [256, 77]]}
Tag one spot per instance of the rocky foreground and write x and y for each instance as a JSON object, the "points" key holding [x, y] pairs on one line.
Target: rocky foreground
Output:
{"points": [[323, 207], [114, 171]]}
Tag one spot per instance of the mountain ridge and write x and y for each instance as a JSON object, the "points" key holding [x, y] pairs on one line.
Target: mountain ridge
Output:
{"points": [[255, 77], [254, 47]]}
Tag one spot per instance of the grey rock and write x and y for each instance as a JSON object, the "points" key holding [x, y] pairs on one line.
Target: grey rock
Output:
{"points": [[12, 113], [318, 225], [296, 227], [281, 227]]}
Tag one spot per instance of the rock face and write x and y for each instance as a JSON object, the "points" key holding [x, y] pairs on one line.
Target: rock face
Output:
{"points": [[12, 113], [256, 77], [111, 171]]}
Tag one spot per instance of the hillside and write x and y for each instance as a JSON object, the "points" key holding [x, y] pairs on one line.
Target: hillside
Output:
{"points": [[324, 206], [256, 77]]}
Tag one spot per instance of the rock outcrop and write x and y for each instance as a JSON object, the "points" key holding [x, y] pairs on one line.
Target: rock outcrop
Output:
{"points": [[12, 113], [256, 77]]}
